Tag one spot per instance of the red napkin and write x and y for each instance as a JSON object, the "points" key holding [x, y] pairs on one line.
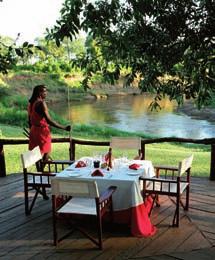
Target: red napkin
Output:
{"points": [[134, 166], [80, 164], [97, 172]]}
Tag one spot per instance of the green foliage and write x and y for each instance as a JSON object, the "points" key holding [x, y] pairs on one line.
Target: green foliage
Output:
{"points": [[154, 39], [16, 102], [3, 91], [10, 53], [9, 131], [13, 116], [56, 60], [44, 57]]}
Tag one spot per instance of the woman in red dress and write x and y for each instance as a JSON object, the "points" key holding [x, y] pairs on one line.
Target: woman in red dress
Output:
{"points": [[39, 121]]}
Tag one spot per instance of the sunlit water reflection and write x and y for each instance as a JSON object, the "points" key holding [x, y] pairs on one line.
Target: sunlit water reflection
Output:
{"points": [[131, 113]]}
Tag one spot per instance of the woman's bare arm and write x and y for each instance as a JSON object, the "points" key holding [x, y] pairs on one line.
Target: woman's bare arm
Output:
{"points": [[42, 109]]}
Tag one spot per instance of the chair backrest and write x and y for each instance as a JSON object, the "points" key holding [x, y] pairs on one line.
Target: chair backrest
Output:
{"points": [[125, 143], [31, 157], [75, 188], [184, 165]]}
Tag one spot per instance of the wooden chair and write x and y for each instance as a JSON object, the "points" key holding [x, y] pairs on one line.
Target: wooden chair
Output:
{"points": [[173, 186], [37, 181], [124, 144], [80, 198]]}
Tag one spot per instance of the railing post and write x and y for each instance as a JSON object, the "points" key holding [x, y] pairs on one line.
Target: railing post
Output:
{"points": [[72, 150], [2, 162], [212, 169], [143, 151]]}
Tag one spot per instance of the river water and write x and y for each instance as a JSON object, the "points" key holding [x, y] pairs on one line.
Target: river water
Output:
{"points": [[131, 113]]}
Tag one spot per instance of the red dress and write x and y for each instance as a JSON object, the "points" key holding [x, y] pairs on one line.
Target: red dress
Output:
{"points": [[39, 132]]}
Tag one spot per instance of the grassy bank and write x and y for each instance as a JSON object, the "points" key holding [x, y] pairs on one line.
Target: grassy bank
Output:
{"points": [[16, 88]]}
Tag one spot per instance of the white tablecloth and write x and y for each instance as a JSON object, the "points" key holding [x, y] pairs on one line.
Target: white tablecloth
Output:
{"points": [[128, 192]]}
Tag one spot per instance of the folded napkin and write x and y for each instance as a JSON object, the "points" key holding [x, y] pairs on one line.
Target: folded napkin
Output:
{"points": [[134, 166], [80, 164], [97, 172]]}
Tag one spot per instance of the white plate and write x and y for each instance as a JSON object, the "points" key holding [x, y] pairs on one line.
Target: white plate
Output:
{"points": [[133, 173], [73, 170], [74, 174]]}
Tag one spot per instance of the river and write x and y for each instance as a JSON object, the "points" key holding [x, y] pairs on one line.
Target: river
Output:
{"points": [[131, 113]]}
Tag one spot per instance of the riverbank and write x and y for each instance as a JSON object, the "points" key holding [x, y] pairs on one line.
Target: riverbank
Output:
{"points": [[203, 114], [15, 90], [104, 92], [188, 108], [107, 90], [60, 88]]}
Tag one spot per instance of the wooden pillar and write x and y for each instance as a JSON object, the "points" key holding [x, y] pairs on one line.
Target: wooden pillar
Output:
{"points": [[212, 169], [2, 162]]}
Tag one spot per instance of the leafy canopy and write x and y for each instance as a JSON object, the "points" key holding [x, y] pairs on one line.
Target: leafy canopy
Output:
{"points": [[168, 45], [10, 53]]}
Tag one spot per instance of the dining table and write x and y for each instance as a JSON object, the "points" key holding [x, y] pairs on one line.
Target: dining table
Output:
{"points": [[128, 204]]}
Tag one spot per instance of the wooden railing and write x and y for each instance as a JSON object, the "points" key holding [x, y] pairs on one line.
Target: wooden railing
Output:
{"points": [[73, 142]]}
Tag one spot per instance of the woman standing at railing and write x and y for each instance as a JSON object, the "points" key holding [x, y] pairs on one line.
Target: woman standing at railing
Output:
{"points": [[39, 121]]}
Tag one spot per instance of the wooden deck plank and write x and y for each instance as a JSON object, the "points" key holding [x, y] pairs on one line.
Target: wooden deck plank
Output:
{"points": [[207, 254], [202, 219], [165, 243], [30, 237]]}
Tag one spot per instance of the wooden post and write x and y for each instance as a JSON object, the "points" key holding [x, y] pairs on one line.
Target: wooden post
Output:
{"points": [[143, 151], [72, 150], [212, 169], [2, 162]]}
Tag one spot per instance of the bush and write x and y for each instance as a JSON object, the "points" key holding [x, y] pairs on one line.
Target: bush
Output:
{"points": [[12, 116], [16, 102]]}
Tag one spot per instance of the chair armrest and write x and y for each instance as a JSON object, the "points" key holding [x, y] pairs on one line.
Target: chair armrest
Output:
{"points": [[166, 167], [107, 193], [56, 165], [48, 174], [60, 162], [157, 180]]}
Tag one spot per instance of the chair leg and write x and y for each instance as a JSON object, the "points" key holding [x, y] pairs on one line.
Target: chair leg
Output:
{"points": [[28, 208], [176, 215], [153, 202], [100, 232], [27, 212], [157, 200], [45, 196], [54, 222], [33, 201], [111, 212], [187, 198], [55, 232]]}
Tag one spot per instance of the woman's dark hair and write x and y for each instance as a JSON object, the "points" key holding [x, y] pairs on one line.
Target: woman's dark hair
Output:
{"points": [[36, 92]]}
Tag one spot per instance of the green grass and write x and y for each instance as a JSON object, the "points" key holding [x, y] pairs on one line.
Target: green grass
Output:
{"points": [[8, 131], [161, 153]]}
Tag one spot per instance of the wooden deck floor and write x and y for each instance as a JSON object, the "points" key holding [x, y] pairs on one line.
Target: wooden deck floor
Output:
{"points": [[30, 237]]}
